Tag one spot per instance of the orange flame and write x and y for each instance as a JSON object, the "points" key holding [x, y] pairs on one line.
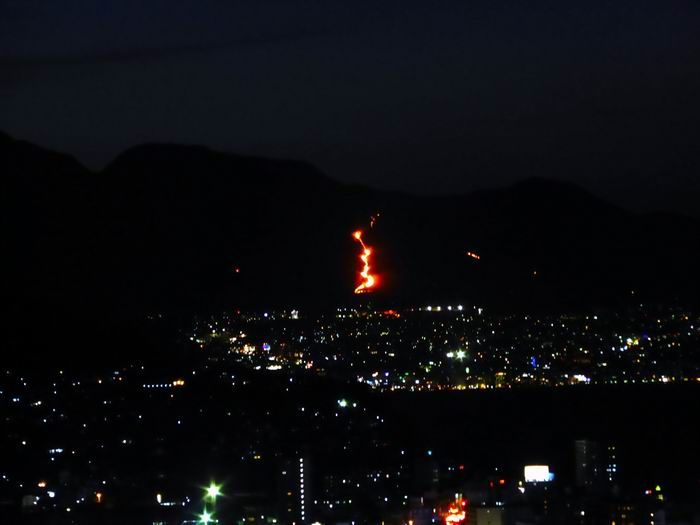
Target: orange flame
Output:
{"points": [[473, 255], [368, 280]]}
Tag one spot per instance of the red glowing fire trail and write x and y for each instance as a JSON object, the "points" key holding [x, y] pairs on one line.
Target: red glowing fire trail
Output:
{"points": [[368, 280]]}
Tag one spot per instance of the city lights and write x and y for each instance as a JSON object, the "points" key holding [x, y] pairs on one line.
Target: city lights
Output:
{"points": [[204, 336], [456, 512], [206, 517], [213, 491]]}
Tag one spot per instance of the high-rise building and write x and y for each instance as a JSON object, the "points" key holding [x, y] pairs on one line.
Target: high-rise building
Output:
{"points": [[294, 499], [303, 489], [611, 464], [596, 465], [588, 464]]}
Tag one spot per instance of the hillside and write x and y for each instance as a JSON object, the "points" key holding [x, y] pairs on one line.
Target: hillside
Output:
{"points": [[164, 227]]}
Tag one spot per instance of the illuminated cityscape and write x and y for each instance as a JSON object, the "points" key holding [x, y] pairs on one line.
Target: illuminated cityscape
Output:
{"points": [[350, 263], [239, 429], [454, 347]]}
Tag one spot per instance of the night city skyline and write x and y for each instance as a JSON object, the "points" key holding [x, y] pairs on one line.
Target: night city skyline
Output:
{"points": [[349, 263]]}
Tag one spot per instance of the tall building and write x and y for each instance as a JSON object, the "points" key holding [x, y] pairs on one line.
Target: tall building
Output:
{"points": [[611, 464], [588, 464], [294, 491], [303, 489], [596, 465]]}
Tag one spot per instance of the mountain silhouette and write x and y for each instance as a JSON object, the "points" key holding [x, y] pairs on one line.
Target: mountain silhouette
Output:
{"points": [[180, 229]]}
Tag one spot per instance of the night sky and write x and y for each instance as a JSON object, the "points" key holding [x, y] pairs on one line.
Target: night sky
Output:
{"points": [[440, 96]]}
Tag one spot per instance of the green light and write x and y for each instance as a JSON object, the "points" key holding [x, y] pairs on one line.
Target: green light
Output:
{"points": [[213, 491], [342, 403], [461, 354], [205, 517]]}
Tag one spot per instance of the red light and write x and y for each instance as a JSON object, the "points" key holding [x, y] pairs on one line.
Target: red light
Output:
{"points": [[456, 513], [501, 481]]}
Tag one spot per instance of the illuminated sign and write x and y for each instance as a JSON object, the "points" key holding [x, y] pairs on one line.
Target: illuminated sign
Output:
{"points": [[538, 473]]}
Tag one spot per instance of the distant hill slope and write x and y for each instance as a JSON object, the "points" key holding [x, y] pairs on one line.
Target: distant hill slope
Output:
{"points": [[164, 228]]}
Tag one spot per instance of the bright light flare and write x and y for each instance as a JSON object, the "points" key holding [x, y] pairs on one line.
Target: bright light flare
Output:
{"points": [[213, 491], [206, 517], [368, 280]]}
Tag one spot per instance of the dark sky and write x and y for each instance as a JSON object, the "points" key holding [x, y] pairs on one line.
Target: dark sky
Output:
{"points": [[423, 96]]}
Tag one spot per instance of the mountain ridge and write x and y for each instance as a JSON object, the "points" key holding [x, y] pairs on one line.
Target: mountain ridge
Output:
{"points": [[173, 228]]}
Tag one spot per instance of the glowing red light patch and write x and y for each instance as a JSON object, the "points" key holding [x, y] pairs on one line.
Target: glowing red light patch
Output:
{"points": [[368, 280]]}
